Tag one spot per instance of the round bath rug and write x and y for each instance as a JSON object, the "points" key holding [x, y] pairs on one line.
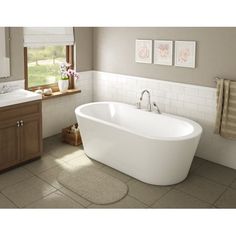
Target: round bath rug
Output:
{"points": [[93, 185]]}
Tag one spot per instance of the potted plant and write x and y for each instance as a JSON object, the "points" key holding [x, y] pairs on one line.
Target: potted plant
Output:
{"points": [[63, 82], [68, 79]]}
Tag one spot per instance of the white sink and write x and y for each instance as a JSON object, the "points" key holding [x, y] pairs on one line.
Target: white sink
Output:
{"points": [[18, 96]]}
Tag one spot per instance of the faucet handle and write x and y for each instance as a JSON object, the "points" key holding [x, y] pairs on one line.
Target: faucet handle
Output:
{"points": [[138, 105], [5, 88], [157, 108]]}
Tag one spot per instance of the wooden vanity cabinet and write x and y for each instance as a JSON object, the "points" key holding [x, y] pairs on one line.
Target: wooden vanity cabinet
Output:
{"points": [[20, 133]]}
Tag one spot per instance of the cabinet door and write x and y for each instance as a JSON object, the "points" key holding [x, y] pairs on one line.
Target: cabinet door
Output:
{"points": [[31, 138], [9, 144]]}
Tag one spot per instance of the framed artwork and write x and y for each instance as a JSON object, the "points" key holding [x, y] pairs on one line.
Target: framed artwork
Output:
{"points": [[143, 51], [185, 53], [163, 52]]}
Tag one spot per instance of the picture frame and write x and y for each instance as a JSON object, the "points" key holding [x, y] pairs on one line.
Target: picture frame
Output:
{"points": [[143, 51], [185, 54], [163, 52]]}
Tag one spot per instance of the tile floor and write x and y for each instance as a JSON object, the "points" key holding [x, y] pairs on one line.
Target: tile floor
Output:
{"points": [[35, 185]]}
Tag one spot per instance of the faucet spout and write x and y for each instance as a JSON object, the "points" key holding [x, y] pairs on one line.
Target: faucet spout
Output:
{"points": [[4, 89], [149, 106], [143, 92]]}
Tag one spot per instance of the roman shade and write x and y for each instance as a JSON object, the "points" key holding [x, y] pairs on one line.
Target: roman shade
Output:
{"points": [[46, 36]]}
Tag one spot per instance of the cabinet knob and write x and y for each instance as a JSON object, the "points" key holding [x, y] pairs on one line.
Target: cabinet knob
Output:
{"points": [[18, 123], [21, 123]]}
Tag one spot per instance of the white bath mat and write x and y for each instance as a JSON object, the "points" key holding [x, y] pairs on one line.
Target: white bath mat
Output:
{"points": [[94, 185]]}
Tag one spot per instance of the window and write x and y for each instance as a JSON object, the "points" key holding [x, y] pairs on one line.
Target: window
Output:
{"points": [[45, 48], [42, 64]]}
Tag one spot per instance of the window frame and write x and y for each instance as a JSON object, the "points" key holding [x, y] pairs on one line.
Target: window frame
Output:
{"points": [[54, 86]]}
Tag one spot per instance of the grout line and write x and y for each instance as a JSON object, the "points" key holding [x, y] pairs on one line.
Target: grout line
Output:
{"points": [[56, 157], [10, 201], [138, 200], [214, 203], [29, 203], [36, 174], [45, 181], [232, 182], [181, 190], [39, 199], [194, 196], [87, 207], [90, 203], [65, 195], [200, 165], [211, 180], [162, 196], [199, 199], [141, 200], [11, 185], [145, 204]]}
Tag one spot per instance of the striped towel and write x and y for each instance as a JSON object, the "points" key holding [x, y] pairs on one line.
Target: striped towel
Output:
{"points": [[226, 109]]}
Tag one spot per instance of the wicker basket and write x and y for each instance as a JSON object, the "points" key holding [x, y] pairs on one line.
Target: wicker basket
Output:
{"points": [[70, 137]]}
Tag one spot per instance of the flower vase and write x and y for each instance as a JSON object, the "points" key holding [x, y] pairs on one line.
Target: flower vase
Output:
{"points": [[63, 85]]}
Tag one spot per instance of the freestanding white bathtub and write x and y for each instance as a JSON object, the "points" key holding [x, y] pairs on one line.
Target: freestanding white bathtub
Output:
{"points": [[154, 148]]}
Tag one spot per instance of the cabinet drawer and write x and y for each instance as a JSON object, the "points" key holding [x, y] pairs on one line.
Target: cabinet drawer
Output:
{"points": [[24, 109]]}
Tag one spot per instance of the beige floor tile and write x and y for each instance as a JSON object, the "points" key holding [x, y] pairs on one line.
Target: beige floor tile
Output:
{"points": [[44, 163], [197, 162], [50, 175], [13, 176], [127, 202], [55, 200], [227, 200], [51, 143], [146, 193], [217, 173], [233, 185], [27, 191], [83, 160], [177, 199], [75, 197], [52, 139], [66, 152], [117, 174], [201, 188], [5, 203]]}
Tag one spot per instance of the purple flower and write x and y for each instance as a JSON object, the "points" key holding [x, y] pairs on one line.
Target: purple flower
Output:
{"points": [[76, 75], [70, 72], [66, 72]]}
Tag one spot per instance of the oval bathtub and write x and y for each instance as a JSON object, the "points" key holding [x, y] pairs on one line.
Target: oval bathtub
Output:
{"points": [[154, 148]]}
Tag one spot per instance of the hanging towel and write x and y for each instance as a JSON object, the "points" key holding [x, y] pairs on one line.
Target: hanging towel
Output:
{"points": [[226, 109]]}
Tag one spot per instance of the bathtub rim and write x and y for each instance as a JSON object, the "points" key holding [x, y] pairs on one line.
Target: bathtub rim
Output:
{"points": [[197, 129]]}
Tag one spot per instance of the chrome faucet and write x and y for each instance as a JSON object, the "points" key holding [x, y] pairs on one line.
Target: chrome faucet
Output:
{"points": [[156, 107], [4, 89], [149, 106]]}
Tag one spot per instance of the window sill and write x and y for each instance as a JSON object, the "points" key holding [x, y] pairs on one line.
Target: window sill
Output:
{"points": [[59, 94]]}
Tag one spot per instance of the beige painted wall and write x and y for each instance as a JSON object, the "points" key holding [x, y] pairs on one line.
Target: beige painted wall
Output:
{"points": [[84, 48], [114, 50], [84, 51]]}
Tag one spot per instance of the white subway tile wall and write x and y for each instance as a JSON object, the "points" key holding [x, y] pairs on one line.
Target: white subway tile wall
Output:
{"points": [[195, 102], [59, 113]]}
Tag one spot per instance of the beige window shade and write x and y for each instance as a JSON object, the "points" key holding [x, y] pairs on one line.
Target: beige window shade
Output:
{"points": [[43, 36]]}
